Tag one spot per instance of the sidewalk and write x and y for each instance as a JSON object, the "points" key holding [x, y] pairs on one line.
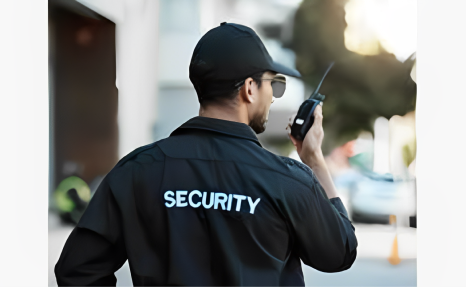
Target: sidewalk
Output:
{"points": [[371, 267], [375, 241]]}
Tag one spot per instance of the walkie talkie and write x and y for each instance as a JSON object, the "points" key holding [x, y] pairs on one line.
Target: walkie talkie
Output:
{"points": [[305, 117]]}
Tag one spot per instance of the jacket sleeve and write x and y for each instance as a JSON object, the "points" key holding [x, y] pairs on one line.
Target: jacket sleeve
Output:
{"points": [[324, 236], [95, 249]]}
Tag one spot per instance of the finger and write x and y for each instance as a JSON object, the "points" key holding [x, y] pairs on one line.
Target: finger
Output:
{"points": [[318, 121], [318, 116], [318, 110], [293, 140]]}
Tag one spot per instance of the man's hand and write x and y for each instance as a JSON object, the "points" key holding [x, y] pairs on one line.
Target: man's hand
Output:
{"points": [[310, 149], [310, 152]]}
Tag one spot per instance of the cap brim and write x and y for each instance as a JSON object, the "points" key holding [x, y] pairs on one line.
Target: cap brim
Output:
{"points": [[279, 68]]}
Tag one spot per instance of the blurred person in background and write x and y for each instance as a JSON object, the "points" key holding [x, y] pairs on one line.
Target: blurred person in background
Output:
{"points": [[337, 161], [208, 205]]}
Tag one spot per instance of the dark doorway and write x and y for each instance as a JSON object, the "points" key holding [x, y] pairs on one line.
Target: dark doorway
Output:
{"points": [[83, 95]]}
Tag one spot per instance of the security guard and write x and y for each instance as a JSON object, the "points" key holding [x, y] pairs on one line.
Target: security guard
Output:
{"points": [[208, 205]]}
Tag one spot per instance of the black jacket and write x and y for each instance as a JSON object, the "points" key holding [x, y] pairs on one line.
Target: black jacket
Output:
{"points": [[208, 206]]}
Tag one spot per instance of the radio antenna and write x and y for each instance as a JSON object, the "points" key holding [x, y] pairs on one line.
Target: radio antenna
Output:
{"points": [[321, 81]]}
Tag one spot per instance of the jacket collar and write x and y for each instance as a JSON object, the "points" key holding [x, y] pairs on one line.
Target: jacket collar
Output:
{"points": [[234, 129]]}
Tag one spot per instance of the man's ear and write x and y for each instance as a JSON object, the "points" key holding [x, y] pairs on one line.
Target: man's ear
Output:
{"points": [[248, 92]]}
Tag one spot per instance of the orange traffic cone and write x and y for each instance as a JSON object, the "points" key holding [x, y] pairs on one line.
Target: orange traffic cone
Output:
{"points": [[394, 258]]}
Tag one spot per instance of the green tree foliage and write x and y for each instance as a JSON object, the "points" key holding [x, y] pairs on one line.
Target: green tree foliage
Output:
{"points": [[359, 88]]}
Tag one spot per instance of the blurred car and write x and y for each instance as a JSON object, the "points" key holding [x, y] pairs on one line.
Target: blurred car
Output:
{"points": [[372, 197]]}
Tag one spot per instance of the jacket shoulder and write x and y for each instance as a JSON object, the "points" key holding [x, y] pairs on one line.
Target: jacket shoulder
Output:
{"points": [[143, 154], [297, 164], [293, 169]]}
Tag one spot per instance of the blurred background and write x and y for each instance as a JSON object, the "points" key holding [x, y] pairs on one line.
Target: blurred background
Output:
{"points": [[118, 79]]}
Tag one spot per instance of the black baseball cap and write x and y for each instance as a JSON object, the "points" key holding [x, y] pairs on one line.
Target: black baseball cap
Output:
{"points": [[228, 54]]}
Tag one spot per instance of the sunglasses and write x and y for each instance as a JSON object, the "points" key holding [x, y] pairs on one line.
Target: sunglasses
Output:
{"points": [[278, 85]]}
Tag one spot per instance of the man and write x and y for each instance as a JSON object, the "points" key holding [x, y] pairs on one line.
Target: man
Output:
{"points": [[208, 205]]}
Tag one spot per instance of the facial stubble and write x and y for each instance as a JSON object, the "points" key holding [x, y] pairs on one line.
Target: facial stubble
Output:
{"points": [[259, 122]]}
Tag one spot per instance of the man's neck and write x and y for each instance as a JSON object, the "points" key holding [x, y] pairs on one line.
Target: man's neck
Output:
{"points": [[224, 112]]}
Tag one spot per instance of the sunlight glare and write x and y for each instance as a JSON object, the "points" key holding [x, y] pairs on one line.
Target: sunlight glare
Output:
{"points": [[382, 24]]}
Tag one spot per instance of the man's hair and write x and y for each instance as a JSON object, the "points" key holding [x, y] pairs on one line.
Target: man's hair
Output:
{"points": [[232, 94]]}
